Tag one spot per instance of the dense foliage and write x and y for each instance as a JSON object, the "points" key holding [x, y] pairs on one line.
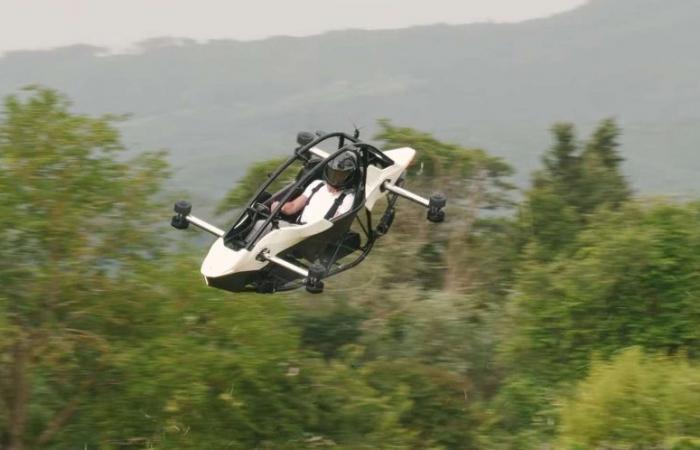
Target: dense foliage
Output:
{"points": [[635, 401], [563, 317]]}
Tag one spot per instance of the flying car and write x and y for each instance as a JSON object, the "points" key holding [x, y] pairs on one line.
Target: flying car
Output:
{"points": [[256, 254]]}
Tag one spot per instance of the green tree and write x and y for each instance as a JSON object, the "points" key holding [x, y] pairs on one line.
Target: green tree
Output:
{"points": [[76, 224], [577, 178], [634, 401], [230, 374], [563, 163], [473, 181], [603, 182], [441, 411], [631, 280], [605, 143]]}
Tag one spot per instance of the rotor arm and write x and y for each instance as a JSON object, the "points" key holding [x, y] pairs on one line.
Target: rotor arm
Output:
{"points": [[266, 256], [434, 204], [312, 275], [182, 219]]}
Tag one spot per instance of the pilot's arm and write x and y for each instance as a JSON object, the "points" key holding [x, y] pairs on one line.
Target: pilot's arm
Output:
{"points": [[292, 207]]}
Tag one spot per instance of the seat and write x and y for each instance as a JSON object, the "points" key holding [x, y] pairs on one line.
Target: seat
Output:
{"points": [[316, 246], [338, 250]]}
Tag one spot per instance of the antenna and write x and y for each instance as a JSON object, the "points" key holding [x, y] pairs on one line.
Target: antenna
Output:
{"points": [[357, 129]]}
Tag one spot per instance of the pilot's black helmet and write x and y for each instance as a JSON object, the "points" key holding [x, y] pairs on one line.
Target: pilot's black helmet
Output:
{"points": [[340, 170]]}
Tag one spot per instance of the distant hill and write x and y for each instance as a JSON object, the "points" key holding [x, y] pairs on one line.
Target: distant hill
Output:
{"points": [[221, 105]]}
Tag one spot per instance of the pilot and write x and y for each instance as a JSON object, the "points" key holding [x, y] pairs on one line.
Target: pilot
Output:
{"points": [[327, 198]]}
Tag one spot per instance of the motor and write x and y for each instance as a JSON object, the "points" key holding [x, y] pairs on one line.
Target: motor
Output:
{"points": [[435, 204], [182, 210]]}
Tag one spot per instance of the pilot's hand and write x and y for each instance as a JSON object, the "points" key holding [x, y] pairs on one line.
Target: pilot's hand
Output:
{"points": [[274, 205]]}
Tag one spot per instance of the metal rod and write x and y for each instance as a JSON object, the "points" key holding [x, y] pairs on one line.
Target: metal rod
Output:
{"points": [[406, 194], [286, 264], [318, 152], [205, 226]]}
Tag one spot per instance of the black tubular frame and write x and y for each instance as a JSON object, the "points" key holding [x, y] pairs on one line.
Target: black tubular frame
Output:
{"points": [[365, 249], [302, 153]]}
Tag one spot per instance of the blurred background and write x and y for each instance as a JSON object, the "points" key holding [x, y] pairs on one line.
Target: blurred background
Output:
{"points": [[558, 307]]}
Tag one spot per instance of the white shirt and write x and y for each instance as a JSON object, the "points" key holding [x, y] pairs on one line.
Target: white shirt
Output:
{"points": [[322, 201]]}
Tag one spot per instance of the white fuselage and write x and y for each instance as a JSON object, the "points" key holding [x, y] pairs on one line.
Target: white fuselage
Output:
{"points": [[222, 261]]}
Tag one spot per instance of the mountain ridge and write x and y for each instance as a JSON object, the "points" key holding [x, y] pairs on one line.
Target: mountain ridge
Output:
{"points": [[221, 105]]}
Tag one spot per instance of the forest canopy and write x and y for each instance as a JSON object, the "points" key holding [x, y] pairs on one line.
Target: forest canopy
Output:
{"points": [[563, 315]]}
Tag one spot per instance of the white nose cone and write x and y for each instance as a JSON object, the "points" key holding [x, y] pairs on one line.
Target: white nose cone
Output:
{"points": [[402, 157], [220, 260]]}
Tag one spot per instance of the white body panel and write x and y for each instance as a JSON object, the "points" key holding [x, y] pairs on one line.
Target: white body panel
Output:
{"points": [[402, 157], [222, 261]]}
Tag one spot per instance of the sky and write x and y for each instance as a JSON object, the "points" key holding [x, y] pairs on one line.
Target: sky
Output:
{"points": [[117, 24]]}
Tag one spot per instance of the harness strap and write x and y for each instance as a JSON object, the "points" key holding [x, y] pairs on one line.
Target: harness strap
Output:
{"points": [[313, 192], [336, 204], [308, 200]]}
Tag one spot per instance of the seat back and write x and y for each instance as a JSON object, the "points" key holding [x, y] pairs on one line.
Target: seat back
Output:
{"points": [[315, 246]]}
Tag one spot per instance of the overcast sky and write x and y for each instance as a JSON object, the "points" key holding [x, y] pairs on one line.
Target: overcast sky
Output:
{"points": [[30, 24]]}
